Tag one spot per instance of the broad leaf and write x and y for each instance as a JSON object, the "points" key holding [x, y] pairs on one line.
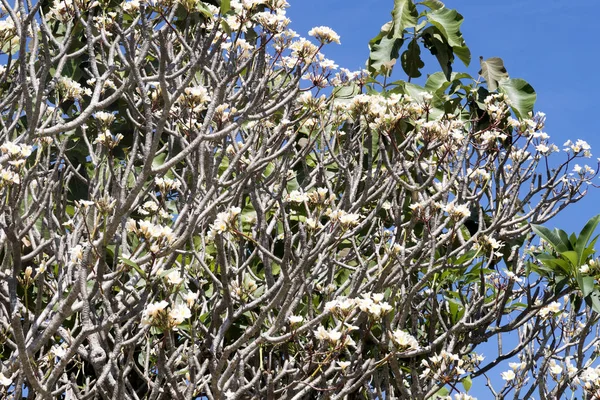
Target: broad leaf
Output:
{"points": [[571, 256], [411, 60], [225, 6], [404, 15], [551, 237], [493, 71], [384, 48], [448, 22], [593, 300], [437, 81], [439, 47], [584, 237], [586, 284], [521, 95], [467, 383], [433, 4]]}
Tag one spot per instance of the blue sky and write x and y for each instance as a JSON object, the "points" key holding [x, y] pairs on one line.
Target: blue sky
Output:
{"points": [[552, 44]]}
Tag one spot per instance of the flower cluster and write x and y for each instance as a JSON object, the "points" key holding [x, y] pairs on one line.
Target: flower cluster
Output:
{"points": [[450, 365], [223, 221], [370, 303], [405, 341], [195, 98], [156, 314], [324, 35], [550, 310], [70, 89], [166, 185], [17, 154], [158, 236], [344, 218]]}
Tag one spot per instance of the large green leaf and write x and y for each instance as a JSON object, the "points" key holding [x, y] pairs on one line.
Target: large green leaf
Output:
{"points": [[439, 47], [385, 48], [437, 81], [225, 6], [411, 60], [551, 237], [593, 300], [433, 4], [584, 237], [586, 284], [493, 71], [521, 94], [448, 22], [404, 15]]}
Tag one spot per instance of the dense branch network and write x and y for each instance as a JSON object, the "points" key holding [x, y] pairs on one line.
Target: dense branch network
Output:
{"points": [[192, 207]]}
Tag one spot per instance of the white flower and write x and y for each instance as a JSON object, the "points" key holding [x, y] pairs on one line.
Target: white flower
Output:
{"points": [[70, 89], [321, 333], [174, 278], [343, 364], [349, 219], [324, 34], [377, 297], [180, 313], [190, 298], [4, 381], [76, 254], [58, 351], [405, 340], [457, 212], [297, 196], [551, 308], [463, 396], [334, 335], [508, 375], [313, 224], [555, 369], [104, 117], [516, 366], [153, 309], [131, 6], [542, 148], [584, 269], [295, 319]]}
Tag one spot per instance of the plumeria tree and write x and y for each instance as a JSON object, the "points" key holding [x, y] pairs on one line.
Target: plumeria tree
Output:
{"points": [[197, 203]]}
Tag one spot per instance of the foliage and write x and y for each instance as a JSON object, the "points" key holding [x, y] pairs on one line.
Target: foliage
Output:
{"points": [[195, 204]]}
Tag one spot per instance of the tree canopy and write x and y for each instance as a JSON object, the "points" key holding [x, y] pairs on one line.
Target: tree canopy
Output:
{"points": [[198, 204]]}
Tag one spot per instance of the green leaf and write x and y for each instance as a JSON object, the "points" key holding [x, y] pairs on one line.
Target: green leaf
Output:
{"points": [[586, 284], [437, 81], [493, 71], [159, 160], [384, 48], [404, 15], [521, 94], [346, 93], [439, 47], [134, 265], [571, 256], [433, 4], [584, 237], [551, 237], [467, 383], [593, 300], [411, 60], [448, 22], [225, 6]]}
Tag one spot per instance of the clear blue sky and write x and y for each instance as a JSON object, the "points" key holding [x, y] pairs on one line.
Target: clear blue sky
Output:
{"points": [[552, 44]]}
